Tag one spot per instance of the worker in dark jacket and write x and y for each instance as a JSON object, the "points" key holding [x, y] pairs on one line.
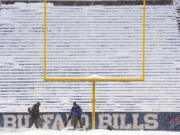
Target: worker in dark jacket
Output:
{"points": [[35, 116], [75, 115]]}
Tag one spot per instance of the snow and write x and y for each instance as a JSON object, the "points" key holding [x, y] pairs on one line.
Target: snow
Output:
{"points": [[177, 3], [177, 65], [95, 76], [89, 132]]}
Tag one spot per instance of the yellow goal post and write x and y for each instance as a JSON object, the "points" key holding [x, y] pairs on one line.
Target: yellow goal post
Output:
{"points": [[94, 80]]}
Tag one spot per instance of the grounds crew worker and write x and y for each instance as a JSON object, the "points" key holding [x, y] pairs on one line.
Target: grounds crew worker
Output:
{"points": [[35, 115], [75, 115]]}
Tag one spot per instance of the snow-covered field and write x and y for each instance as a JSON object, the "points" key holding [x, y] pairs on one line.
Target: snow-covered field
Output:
{"points": [[90, 132]]}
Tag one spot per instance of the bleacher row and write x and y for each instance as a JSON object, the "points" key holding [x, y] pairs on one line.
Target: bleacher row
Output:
{"points": [[91, 41], [85, 42]]}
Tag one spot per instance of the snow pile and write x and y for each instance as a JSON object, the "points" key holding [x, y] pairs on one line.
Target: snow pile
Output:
{"points": [[96, 76], [177, 3], [90, 132]]}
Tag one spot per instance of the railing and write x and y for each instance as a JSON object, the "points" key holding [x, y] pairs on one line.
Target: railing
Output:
{"points": [[94, 2]]}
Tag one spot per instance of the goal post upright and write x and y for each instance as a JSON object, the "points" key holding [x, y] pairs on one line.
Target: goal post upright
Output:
{"points": [[143, 38], [93, 105], [94, 80], [45, 39]]}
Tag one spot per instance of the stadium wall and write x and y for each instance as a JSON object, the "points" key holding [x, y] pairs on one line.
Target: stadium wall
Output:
{"points": [[118, 121]]}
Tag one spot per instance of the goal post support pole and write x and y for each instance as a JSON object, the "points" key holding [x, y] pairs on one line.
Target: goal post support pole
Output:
{"points": [[93, 105]]}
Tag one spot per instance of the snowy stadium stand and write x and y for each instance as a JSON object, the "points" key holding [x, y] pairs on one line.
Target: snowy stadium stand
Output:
{"points": [[21, 59], [178, 17], [94, 2]]}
